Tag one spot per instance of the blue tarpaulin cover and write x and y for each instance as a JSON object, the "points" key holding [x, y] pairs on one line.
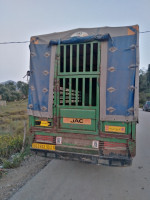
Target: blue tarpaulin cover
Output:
{"points": [[122, 80], [39, 78], [76, 40], [120, 97]]}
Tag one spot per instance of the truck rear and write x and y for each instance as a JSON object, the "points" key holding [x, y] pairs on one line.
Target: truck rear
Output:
{"points": [[83, 94]]}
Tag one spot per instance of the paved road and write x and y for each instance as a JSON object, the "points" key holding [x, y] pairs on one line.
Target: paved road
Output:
{"points": [[65, 180]]}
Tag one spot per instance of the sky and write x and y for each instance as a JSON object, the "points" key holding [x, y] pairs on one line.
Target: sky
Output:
{"points": [[21, 19]]}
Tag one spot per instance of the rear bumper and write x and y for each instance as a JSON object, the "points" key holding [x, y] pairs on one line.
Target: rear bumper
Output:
{"points": [[115, 160]]}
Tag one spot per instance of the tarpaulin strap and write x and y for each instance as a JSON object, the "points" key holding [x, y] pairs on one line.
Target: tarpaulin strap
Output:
{"points": [[131, 110], [133, 66], [131, 88], [111, 109], [132, 47]]}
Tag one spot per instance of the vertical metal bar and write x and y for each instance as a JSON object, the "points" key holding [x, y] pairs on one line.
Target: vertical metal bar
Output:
{"points": [[70, 91], [97, 92], [83, 91], [64, 84], [77, 58], [84, 58], [58, 90], [56, 106], [98, 56], [91, 57], [58, 58], [55, 81], [97, 103], [70, 58], [64, 59], [77, 96], [90, 92]]}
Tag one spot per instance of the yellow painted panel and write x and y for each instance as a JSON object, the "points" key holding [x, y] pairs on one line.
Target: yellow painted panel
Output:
{"points": [[43, 146], [77, 121], [44, 123], [117, 129]]}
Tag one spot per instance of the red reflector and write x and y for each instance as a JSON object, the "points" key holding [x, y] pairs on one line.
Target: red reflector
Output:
{"points": [[45, 138]]}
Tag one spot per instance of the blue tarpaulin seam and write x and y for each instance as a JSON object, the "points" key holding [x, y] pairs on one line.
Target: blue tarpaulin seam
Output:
{"points": [[75, 40]]}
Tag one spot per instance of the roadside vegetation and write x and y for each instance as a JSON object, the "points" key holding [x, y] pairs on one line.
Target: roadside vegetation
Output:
{"points": [[13, 119], [144, 86], [11, 91]]}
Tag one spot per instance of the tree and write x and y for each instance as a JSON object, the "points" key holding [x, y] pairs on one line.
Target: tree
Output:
{"points": [[23, 88], [11, 91], [144, 85], [148, 76], [11, 86], [142, 81]]}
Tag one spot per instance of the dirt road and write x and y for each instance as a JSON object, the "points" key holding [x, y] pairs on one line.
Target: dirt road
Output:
{"points": [[65, 180]]}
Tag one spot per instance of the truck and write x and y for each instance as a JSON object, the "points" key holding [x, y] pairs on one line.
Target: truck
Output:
{"points": [[84, 94]]}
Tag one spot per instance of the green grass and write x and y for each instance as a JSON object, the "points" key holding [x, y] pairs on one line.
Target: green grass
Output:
{"points": [[12, 118], [10, 144], [15, 160]]}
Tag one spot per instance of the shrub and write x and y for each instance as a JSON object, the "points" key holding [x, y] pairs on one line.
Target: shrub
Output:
{"points": [[13, 162], [10, 144]]}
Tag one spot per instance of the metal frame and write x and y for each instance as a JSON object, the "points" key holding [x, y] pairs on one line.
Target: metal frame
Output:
{"points": [[87, 158], [77, 75]]}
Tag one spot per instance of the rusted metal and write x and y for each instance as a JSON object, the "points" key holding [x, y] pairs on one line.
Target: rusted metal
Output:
{"points": [[63, 134], [113, 149], [132, 147], [45, 139], [54, 125], [87, 158], [113, 135], [55, 85], [77, 142]]}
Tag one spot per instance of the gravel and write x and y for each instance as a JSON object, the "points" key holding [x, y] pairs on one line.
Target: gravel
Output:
{"points": [[14, 179]]}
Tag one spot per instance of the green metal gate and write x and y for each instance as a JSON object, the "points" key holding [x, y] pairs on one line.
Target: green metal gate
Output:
{"points": [[77, 95]]}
